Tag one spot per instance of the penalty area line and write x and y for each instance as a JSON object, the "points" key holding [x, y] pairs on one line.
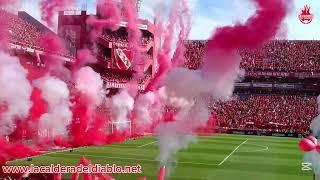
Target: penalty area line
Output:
{"points": [[235, 149], [147, 144]]}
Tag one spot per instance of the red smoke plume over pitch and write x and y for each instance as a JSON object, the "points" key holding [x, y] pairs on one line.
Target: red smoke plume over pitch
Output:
{"points": [[78, 106], [215, 80], [258, 29]]}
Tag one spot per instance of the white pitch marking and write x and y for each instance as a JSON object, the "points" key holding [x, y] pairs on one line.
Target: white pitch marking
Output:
{"points": [[232, 152], [147, 144], [265, 148], [51, 152], [138, 159]]}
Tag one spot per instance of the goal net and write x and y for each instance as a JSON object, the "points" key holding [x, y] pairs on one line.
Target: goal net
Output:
{"points": [[114, 126]]}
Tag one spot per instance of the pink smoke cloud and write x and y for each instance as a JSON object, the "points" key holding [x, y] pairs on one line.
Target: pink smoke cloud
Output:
{"points": [[50, 7]]}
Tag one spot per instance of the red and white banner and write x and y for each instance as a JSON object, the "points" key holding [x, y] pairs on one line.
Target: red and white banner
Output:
{"points": [[122, 85], [122, 57]]}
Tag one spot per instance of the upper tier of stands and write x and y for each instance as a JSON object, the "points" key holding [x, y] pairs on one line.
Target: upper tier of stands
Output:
{"points": [[282, 56], [26, 34], [20, 30], [122, 37], [278, 55]]}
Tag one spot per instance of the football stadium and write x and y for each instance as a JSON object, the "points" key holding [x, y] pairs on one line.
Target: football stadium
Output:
{"points": [[102, 92]]}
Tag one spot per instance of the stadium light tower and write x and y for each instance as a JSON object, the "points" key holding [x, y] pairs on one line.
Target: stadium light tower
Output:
{"points": [[84, 6], [139, 5]]}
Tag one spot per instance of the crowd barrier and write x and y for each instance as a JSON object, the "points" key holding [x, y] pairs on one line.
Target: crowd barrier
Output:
{"points": [[263, 133]]}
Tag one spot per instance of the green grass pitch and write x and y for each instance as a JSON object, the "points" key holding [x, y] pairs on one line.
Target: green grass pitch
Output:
{"points": [[219, 157]]}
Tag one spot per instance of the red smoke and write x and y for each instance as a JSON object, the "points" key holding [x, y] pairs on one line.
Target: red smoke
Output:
{"points": [[164, 63], [221, 57], [179, 11], [3, 23], [134, 33], [39, 106], [79, 122], [209, 128], [50, 7], [34, 72], [87, 126], [84, 57], [52, 43], [29, 127], [258, 29], [110, 18], [54, 63], [10, 151], [178, 56], [6, 2]]}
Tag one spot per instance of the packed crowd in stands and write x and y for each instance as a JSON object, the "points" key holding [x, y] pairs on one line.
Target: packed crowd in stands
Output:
{"points": [[115, 77], [267, 112], [292, 56], [143, 79], [20, 30], [146, 40], [278, 55], [121, 37], [193, 54], [123, 78], [25, 34], [116, 38]]}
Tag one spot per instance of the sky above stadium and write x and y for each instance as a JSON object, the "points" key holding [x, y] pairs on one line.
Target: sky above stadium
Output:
{"points": [[209, 14]]}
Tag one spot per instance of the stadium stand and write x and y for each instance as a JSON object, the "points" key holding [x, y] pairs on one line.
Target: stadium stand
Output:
{"points": [[193, 54], [267, 112], [277, 113], [121, 36], [26, 34], [20, 30], [287, 56], [28, 18], [115, 77], [278, 55], [118, 77]]}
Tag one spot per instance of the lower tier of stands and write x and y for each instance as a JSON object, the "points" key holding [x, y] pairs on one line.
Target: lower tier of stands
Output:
{"points": [[267, 113]]}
